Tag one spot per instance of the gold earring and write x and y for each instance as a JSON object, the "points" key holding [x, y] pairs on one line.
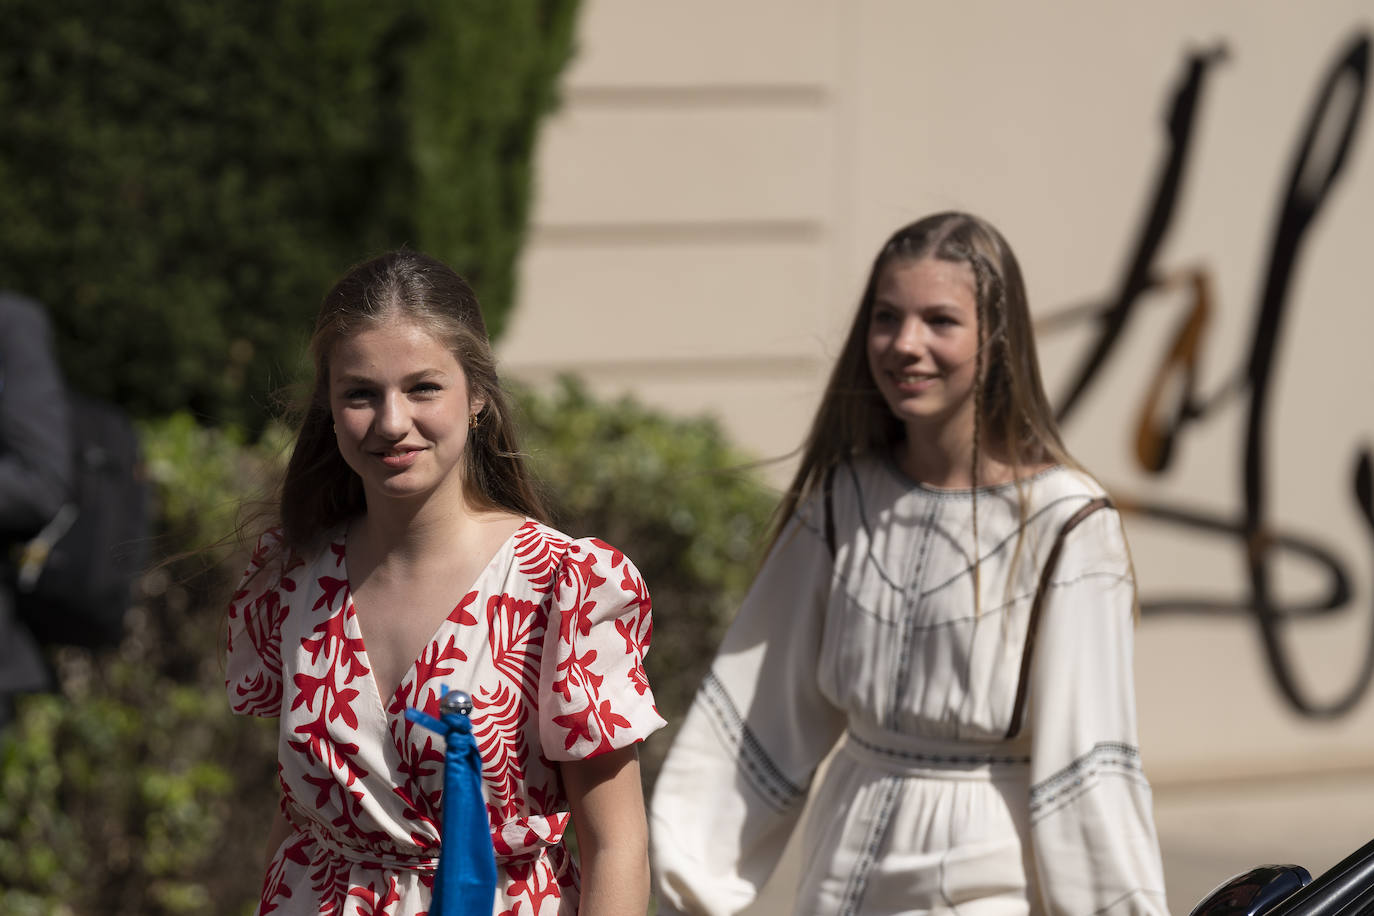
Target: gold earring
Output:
{"points": [[472, 421]]}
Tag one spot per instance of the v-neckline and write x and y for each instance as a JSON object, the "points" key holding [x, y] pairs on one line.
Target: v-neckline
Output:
{"points": [[385, 702]]}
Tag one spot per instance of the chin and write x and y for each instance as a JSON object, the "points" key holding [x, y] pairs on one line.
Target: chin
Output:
{"points": [[931, 417], [398, 489], [915, 412]]}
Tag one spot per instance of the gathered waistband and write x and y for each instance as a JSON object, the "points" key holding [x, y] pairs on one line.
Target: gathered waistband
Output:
{"points": [[517, 839], [367, 856], [935, 757]]}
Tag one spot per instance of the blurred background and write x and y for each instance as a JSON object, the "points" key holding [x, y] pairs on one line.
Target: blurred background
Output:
{"points": [[668, 211]]}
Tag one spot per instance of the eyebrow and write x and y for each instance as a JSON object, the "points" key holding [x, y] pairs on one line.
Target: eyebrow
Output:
{"points": [[879, 301], [353, 378]]}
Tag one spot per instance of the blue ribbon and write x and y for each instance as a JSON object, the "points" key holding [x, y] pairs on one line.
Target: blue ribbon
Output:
{"points": [[465, 879]]}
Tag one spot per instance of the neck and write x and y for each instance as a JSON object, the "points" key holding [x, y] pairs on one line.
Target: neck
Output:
{"points": [[943, 457], [406, 533]]}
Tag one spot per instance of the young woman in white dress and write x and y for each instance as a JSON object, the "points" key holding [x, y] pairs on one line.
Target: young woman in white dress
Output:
{"points": [[946, 612], [410, 557]]}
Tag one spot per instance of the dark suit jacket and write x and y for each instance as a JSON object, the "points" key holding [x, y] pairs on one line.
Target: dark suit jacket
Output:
{"points": [[35, 464]]}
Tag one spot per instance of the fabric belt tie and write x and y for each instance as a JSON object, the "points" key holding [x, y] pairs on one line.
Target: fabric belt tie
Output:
{"points": [[367, 856], [939, 758], [519, 839]]}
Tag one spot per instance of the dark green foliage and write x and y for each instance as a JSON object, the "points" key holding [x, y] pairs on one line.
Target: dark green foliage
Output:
{"points": [[180, 182], [470, 210], [136, 792]]}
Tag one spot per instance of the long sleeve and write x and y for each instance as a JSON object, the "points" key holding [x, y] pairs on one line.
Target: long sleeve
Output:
{"points": [[734, 783], [1092, 830], [35, 443]]}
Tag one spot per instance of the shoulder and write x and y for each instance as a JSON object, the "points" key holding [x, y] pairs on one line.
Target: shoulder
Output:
{"points": [[269, 553], [1071, 501], [849, 495], [585, 559], [275, 566], [26, 339], [866, 478], [566, 546], [595, 552], [540, 544], [595, 582], [21, 312], [868, 470], [1058, 493], [869, 491]]}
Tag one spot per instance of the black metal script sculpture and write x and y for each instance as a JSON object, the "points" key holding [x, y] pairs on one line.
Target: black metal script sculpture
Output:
{"points": [[1320, 158]]}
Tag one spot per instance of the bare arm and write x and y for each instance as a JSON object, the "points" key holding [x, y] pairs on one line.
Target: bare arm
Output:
{"points": [[607, 805]]}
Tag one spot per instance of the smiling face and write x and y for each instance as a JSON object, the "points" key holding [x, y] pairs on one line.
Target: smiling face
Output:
{"points": [[923, 344], [400, 403]]}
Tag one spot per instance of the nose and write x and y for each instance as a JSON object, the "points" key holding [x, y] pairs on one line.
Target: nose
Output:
{"points": [[910, 339], [392, 421]]}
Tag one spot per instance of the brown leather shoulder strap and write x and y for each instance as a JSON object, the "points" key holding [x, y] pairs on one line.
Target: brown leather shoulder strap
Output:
{"points": [[1033, 624], [828, 495]]}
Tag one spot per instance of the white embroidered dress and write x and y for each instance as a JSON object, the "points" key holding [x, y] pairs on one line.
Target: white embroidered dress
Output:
{"points": [[927, 806], [549, 642]]}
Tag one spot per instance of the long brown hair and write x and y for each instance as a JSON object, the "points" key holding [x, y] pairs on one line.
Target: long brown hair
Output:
{"points": [[1011, 409], [320, 491]]}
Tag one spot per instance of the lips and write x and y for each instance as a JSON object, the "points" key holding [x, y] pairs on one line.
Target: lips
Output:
{"points": [[912, 382], [399, 458]]}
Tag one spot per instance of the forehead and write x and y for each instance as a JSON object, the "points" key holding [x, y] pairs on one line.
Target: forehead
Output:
{"points": [[395, 345], [927, 281]]}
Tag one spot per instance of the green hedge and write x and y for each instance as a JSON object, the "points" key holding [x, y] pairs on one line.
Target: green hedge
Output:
{"points": [[179, 182], [135, 791]]}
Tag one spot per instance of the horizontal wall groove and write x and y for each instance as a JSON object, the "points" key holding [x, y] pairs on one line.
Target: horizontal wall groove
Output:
{"points": [[677, 233], [668, 367], [668, 98]]}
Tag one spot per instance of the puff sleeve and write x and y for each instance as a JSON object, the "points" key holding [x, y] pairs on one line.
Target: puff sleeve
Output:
{"points": [[593, 694], [253, 670], [1092, 829]]}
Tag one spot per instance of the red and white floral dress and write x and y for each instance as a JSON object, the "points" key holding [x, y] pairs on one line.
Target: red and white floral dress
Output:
{"points": [[549, 642]]}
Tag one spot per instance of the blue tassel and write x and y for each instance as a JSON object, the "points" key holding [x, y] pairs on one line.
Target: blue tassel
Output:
{"points": [[465, 879]]}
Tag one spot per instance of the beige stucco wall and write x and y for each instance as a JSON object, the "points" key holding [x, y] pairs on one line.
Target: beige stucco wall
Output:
{"points": [[722, 171]]}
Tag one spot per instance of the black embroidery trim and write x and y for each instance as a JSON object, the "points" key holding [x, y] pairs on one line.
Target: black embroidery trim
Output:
{"points": [[877, 832], [1105, 758], [753, 761], [938, 759], [910, 606]]}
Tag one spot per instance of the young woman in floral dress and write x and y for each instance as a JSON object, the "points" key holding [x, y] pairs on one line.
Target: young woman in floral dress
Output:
{"points": [[410, 556]]}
